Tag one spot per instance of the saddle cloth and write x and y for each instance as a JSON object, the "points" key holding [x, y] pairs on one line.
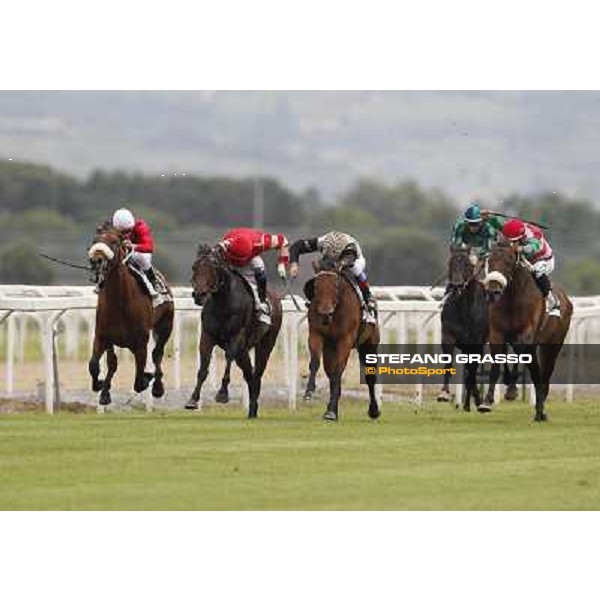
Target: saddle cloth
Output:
{"points": [[165, 294]]}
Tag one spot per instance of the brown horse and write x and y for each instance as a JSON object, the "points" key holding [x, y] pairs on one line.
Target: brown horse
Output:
{"points": [[334, 328], [517, 316], [229, 321], [125, 317]]}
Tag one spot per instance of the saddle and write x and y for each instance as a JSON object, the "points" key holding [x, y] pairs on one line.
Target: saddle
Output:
{"points": [[309, 292], [252, 290], [165, 294]]}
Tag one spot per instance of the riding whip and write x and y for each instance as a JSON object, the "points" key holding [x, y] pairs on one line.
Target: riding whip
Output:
{"points": [[289, 293], [499, 214]]}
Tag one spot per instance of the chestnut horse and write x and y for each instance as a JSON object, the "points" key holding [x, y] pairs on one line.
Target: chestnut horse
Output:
{"points": [[334, 328], [229, 321], [125, 317], [517, 316]]}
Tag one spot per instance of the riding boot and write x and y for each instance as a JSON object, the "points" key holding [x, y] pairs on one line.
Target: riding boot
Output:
{"points": [[552, 302], [151, 275], [263, 312], [369, 301]]}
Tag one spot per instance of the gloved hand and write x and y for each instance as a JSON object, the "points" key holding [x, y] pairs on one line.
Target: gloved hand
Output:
{"points": [[281, 271]]}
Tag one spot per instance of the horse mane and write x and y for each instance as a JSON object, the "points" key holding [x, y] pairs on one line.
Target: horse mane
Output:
{"points": [[203, 250], [327, 263], [106, 227]]}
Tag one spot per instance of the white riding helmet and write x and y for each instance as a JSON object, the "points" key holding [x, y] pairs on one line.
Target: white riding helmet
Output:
{"points": [[123, 219]]}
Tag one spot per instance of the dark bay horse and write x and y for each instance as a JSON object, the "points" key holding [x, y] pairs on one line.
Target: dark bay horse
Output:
{"points": [[125, 317], [517, 316], [229, 321], [334, 328], [464, 319]]}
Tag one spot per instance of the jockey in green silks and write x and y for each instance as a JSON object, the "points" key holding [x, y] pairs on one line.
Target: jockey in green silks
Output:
{"points": [[477, 229]]}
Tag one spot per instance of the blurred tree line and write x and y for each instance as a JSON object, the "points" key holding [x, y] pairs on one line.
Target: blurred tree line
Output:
{"points": [[404, 228]]}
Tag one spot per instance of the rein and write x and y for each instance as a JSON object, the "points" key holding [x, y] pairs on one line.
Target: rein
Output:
{"points": [[66, 263], [337, 284]]}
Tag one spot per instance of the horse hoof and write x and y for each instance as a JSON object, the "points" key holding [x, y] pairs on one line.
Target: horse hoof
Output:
{"points": [[540, 418], [253, 414], [484, 407], [307, 396], [191, 405], [374, 414], [97, 385], [511, 393], [330, 416], [444, 397], [222, 397], [467, 408], [158, 389], [105, 398]]}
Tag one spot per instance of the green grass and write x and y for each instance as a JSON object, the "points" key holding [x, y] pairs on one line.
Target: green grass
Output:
{"points": [[436, 458]]}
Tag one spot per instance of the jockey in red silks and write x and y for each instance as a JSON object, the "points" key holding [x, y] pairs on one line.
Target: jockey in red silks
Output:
{"points": [[242, 248], [537, 251], [139, 237]]}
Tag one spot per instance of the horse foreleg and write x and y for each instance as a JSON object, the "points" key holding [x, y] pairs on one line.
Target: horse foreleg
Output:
{"points": [[374, 411], [315, 345], [488, 402], [111, 363], [540, 383], [445, 395], [161, 337], [142, 379], [334, 361], [206, 347], [511, 375], [223, 393], [94, 364], [244, 363]]}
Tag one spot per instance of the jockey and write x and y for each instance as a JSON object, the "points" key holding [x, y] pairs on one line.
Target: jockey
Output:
{"points": [[534, 247], [337, 246], [242, 248], [477, 229], [139, 237]]}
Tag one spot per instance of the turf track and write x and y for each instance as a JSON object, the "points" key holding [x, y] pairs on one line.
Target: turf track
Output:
{"points": [[435, 458]]}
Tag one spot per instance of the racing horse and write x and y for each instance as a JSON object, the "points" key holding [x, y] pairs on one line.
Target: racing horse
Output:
{"points": [[334, 328], [517, 315], [465, 323], [464, 319], [125, 317], [229, 321]]}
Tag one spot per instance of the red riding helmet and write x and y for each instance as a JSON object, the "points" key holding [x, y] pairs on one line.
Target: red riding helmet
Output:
{"points": [[513, 230], [238, 249]]}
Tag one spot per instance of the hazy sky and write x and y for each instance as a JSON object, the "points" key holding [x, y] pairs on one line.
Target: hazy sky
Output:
{"points": [[467, 143]]}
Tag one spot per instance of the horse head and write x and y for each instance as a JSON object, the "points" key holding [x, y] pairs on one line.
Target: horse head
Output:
{"points": [[463, 266], [500, 268], [326, 290], [206, 272], [106, 252]]}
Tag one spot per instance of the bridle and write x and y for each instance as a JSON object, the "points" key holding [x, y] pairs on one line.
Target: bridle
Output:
{"points": [[215, 261], [458, 288], [336, 275], [102, 267]]}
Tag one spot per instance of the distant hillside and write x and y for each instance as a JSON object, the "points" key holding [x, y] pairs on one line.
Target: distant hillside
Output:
{"points": [[466, 143]]}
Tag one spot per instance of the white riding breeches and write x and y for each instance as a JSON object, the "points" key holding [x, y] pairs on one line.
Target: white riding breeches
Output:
{"points": [[359, 266], [142, 260], [249, 269], [543, 267]]}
